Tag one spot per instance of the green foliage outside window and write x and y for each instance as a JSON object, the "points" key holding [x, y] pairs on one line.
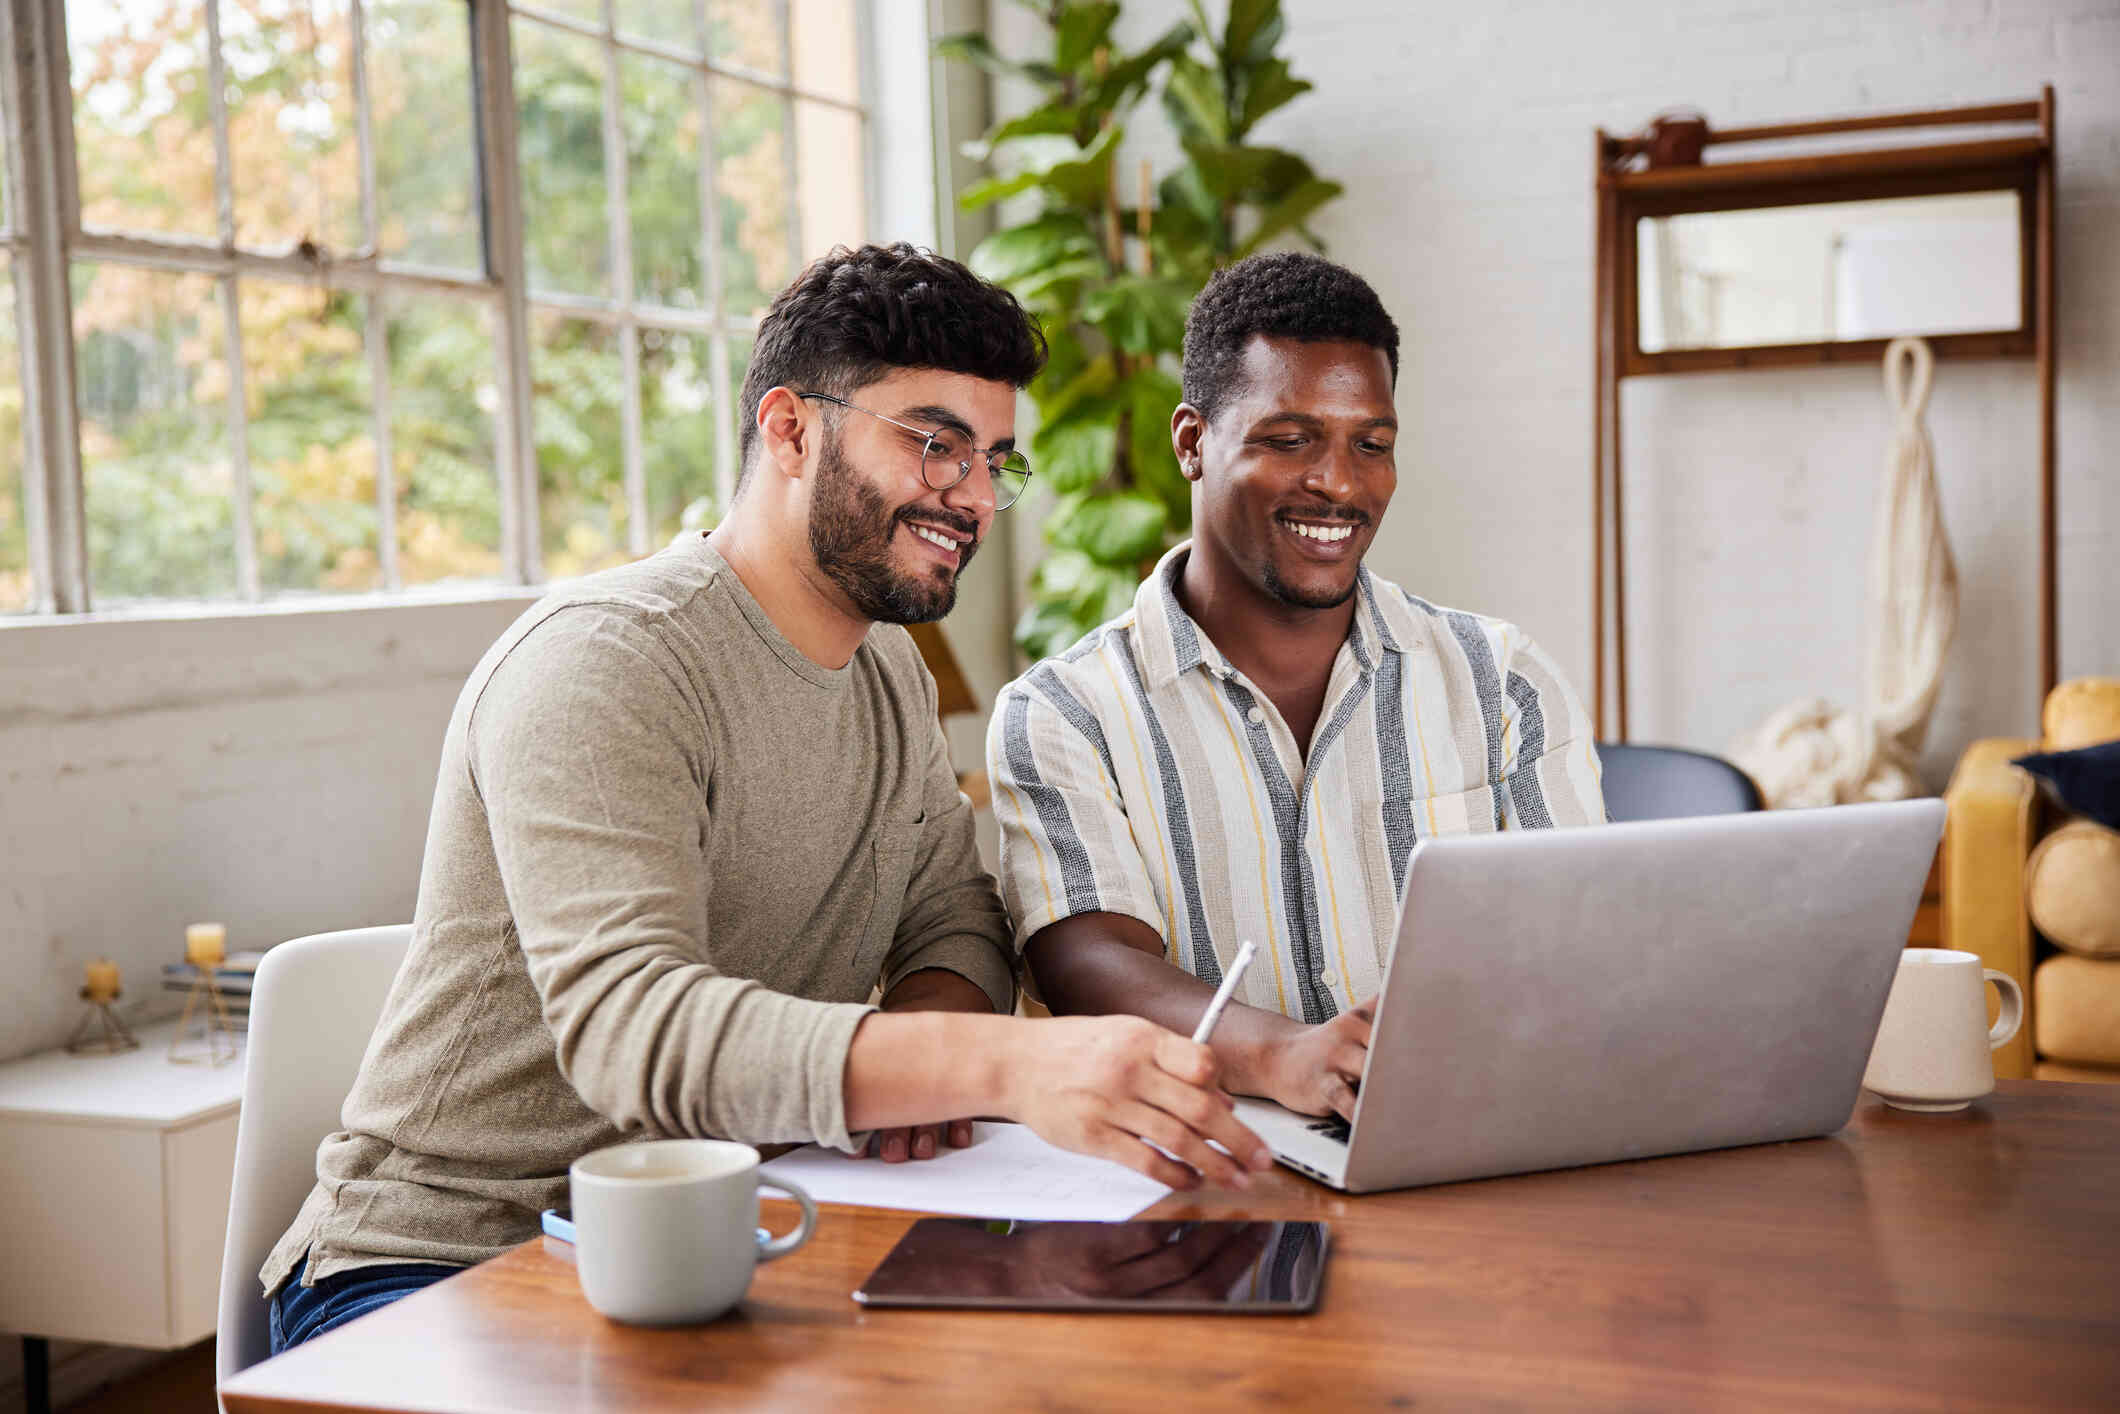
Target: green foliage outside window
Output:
{"points": [[151, 345], [1112, 301]]}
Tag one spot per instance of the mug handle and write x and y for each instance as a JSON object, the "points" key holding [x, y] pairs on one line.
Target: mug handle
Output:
{"points": [[2012, 1014], [782, 1246]]}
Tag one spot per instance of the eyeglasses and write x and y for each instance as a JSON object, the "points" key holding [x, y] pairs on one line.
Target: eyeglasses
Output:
{"points": [[946, 456]]}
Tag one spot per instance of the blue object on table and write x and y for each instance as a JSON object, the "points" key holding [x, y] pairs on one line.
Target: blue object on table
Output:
{"points": [[560, 1224]]}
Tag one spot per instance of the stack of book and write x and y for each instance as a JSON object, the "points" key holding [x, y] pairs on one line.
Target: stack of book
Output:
{"points": [[231, 979]]}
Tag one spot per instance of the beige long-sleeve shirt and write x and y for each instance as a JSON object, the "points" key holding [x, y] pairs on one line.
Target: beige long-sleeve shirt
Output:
{"points": [[668, 860]]}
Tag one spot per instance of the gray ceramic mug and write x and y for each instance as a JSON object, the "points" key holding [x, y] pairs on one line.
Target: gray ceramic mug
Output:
{"points": [[666, 1230]]}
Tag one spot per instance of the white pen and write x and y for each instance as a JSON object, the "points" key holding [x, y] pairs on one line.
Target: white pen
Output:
{"points": [[1223, 993]]}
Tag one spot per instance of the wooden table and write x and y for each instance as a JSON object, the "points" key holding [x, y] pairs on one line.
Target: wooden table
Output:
{"points": [[1967, 1261]]}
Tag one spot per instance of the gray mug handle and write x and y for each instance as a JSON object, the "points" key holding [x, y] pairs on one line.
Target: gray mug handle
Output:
{"points": [[2012, 1014], [782, 1246]]}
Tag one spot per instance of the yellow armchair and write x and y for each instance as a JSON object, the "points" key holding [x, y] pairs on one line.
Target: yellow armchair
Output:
{"points": [[1996, 818]]}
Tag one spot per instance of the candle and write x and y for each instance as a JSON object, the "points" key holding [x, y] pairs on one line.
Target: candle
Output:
{"points": [[205, 944], [102, 982]]}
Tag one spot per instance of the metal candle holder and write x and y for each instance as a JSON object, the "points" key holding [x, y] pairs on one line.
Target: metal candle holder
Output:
{"points": [[213, 1041], [100, 1032]]}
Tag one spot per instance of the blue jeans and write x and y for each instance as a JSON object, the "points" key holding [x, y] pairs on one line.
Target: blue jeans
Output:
{"points": [[298, 1312]]}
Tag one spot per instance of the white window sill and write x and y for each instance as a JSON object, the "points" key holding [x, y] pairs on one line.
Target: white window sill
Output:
{"points": [[282, 607]]}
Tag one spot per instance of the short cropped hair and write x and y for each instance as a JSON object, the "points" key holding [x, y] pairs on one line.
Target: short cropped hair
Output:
{"points": [[1285, 295], [854, 316]]}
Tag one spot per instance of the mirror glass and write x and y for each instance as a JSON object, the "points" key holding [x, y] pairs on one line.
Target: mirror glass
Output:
{"points": [[1831, 272]]}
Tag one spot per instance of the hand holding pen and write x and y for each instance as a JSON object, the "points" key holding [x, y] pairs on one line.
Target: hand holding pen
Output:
{"points": [[1228, 989]]}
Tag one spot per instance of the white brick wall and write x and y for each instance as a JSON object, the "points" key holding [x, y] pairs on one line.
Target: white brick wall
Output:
{"points": [[1463, 137]]}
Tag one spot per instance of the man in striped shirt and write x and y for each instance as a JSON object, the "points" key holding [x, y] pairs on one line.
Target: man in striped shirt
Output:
{"points": [[1252, 750]]}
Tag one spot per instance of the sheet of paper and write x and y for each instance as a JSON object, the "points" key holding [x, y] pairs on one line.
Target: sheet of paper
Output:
{"points": [[1008, 1172]]}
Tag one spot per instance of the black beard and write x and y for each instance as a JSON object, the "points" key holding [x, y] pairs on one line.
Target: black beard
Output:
{"points": [[850, 538], [1295, 598]]}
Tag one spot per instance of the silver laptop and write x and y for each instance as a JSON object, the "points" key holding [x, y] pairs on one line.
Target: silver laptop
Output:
{"points": [[1563, 997]]}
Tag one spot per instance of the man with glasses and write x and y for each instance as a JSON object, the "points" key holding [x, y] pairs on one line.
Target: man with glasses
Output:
{"points": [[694, 809], [1251, 751]]}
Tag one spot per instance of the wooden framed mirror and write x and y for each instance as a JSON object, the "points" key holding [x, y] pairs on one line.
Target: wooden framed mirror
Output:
{"points": [[1821, 252]]}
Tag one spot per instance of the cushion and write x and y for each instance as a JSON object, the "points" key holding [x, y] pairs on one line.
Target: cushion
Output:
{"points": [[2081, 712], [2072, 889], [2078, 1074], [2076, 1010], [2086, 780]]}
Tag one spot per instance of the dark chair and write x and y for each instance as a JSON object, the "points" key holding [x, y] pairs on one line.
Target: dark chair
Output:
{"points": [[1662, 782]]}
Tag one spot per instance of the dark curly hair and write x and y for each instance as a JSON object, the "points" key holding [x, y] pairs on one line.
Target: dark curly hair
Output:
{"points": [[853, 316], [1286, 295]]}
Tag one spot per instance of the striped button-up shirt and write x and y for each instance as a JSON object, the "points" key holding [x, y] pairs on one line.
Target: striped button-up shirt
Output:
{"points": [[1139, 773]]}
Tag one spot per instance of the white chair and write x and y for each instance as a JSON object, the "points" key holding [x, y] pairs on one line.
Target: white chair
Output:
{"points": [[313, 1005]]}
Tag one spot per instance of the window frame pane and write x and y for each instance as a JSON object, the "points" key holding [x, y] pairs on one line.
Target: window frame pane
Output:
{"points": [[40, 224]]}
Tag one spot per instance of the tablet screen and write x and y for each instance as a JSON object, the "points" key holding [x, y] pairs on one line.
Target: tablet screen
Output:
{"points": [[1257, 1267]]}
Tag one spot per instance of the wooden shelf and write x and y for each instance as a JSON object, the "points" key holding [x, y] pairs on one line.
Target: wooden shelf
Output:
{"points": [[1626, 196], [1833, 167]]}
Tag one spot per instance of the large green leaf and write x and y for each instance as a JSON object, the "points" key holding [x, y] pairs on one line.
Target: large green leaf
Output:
{"points": [[977, 49], [1121, 82], [1255, 27], [1192, 96], [1043, 121], [1120, 584], [1113, 528], [1141, 313], [1233, 173], [1190, 233], [1290, 212], [1079, 32], [1074, 453], [1151, 397], [1065, 357], [1204, 26], [1067, 575], [1092, 380], [1049, 626], [1266, 87], [1056, 288], [1017, 251], [1090, 592], [1183, 195], [1079, 176]]}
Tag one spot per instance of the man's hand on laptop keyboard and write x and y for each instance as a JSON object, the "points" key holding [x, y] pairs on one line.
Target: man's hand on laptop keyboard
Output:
{"points": [[1314, 1069]]}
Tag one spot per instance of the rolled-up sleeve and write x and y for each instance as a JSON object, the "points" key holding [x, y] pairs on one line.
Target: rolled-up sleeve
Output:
{"points": [[1066, 844], [1551, 775], [592, 764]]}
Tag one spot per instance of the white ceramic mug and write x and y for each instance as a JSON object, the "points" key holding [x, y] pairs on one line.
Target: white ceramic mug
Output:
{"points": [[666, 1230], [1934, 1048]]}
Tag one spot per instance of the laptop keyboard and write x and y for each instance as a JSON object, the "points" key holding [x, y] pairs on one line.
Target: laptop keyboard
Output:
{"points": [[1332, 1127]]}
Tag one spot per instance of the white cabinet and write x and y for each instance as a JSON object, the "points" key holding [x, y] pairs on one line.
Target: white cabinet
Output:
{"points": [[114, 1175]]}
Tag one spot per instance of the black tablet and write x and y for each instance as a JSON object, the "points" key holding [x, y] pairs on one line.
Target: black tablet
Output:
{"points": [[1256, 1268]]}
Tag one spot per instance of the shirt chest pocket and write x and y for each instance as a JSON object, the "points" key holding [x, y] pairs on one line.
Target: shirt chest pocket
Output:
{"points": [[1406, 819], [893, 849]]}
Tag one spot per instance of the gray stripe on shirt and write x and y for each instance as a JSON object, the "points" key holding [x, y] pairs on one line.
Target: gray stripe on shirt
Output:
{"points": [[1299, 890], [1047, 681], [1205, 965], [1524, 787], [1487, 682], [1077, 878], [1400, 832]]}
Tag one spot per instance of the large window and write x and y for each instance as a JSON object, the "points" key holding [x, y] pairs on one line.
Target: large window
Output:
{"points": [[341, 302]]}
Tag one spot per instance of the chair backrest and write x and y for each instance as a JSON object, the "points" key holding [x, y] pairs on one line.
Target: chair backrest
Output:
{"points": [[1665, 782], [313, 1006]]}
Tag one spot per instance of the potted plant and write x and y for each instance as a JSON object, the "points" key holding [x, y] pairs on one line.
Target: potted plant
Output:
{"points": [[1110, 266]]}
